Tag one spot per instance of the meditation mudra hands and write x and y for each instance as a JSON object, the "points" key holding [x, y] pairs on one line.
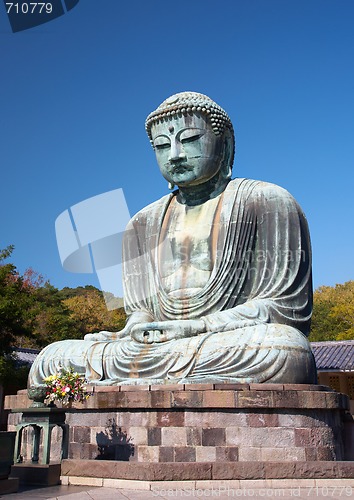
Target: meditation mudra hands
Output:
{"points": [[162, 331], [151, 332]]}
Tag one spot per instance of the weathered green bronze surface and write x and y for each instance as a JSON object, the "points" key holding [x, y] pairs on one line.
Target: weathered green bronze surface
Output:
{"points": [[217, 274], [42, 421], [37, 394]]}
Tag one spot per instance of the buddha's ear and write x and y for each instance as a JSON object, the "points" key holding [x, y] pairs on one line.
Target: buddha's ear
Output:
{"points": [[228, 153]]}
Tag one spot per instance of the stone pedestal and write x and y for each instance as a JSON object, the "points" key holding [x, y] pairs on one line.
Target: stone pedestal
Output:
{"points": [[206, 423], [42, 421]]}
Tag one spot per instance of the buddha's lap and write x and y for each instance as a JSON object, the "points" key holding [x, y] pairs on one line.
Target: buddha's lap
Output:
{"points": [[260, 338]]}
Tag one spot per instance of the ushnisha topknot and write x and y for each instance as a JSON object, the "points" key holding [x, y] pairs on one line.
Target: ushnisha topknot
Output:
{"points": [[190, 102]]}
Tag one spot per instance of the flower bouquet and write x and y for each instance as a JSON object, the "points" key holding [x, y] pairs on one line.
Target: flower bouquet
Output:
{"points": [[67, 387]]}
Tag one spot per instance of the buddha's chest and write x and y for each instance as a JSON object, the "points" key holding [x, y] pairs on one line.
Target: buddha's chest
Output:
{"points": [[187, 245], [186, 249]]}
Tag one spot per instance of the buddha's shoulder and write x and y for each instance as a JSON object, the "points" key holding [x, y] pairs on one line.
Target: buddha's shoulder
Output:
{"points": [[152, 210], [254, 189]]}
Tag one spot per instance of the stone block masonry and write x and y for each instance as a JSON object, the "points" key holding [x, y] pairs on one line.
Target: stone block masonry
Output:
{"points": [[208, 423]]}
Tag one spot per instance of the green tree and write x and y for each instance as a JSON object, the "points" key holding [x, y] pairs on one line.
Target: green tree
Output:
{"points": [[343, 310], [333, 313], [48, 318]]}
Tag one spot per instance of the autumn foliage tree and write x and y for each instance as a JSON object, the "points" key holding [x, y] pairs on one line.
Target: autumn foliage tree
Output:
{"points": [[33, 313], [90, 314], [15, 299]]}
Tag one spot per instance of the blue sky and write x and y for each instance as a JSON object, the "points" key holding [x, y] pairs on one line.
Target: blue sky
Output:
{"points": [[75, 93]]}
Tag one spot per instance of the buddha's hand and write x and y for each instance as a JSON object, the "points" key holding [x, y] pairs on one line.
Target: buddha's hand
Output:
{"points": [[162, 331], [106, 336]]}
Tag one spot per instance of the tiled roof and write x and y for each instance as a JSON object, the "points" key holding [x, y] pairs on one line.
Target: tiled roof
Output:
{"points": [[25, 356], [336, 355]]}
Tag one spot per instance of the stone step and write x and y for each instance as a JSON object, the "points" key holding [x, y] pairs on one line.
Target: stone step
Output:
{"points": [[186, 471]]}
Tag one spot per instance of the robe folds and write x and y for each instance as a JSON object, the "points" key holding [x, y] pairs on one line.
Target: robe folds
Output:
{"points": [[256, 304]]}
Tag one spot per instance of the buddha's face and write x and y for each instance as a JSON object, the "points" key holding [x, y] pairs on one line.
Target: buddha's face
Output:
{"points": [[187, 150]]}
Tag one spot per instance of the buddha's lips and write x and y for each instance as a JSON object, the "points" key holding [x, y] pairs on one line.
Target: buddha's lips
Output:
{"points": [[179, 169]]}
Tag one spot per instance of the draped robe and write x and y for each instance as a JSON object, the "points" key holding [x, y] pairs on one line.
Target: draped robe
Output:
{"points": [[256, 304]]}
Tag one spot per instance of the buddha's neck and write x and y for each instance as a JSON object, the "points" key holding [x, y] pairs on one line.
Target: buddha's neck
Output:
{"points": [[196, 195]]}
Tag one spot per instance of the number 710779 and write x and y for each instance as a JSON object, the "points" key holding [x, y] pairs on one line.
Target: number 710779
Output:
{"points": [[29, 8]]}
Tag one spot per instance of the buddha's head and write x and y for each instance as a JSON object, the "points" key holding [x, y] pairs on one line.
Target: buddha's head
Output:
{"points": [[193, 139]]}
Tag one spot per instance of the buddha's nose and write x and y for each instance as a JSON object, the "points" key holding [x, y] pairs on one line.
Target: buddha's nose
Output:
{"points": [[176, 153]]}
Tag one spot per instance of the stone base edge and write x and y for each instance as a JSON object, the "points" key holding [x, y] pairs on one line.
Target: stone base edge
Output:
{"points": [[241, 396], [37, 474], [9, 485], [188, 471], [330, 486]]}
